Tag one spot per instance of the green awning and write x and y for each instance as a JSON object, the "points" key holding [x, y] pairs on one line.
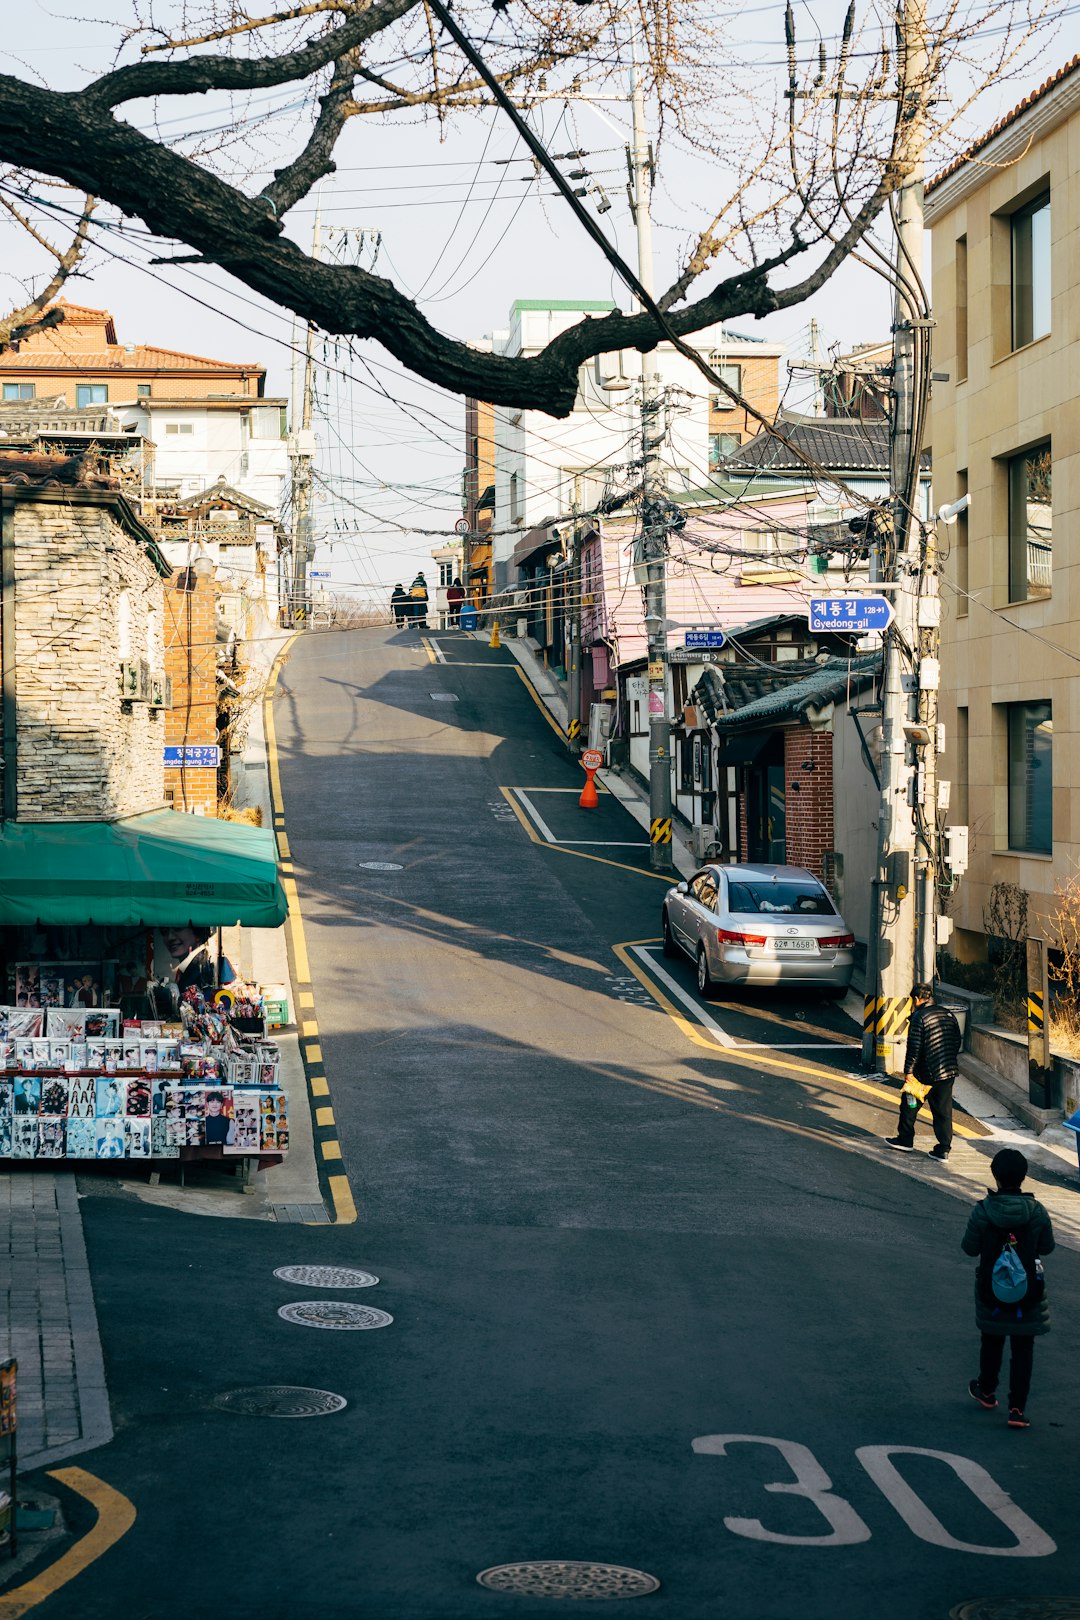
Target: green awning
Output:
{"points": [[156, 870]]}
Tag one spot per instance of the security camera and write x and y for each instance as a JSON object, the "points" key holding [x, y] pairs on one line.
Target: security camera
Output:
{"points": [[949, 514]]}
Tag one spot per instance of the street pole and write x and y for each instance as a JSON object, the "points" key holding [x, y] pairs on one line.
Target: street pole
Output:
{"points": [[303, 457], [654, 527], [887, 1016], [573, 657]]}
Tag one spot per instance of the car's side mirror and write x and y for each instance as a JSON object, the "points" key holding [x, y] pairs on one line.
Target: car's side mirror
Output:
{"points": [[682, 888]]}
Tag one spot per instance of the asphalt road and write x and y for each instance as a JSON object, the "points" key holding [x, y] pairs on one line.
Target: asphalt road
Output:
{"points": [[608, 1239]]}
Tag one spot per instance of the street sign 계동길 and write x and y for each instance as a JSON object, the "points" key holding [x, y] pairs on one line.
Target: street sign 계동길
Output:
{"points": [[853, 615], [704, 638]]}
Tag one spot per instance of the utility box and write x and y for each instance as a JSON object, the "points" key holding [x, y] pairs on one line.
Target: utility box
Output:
{"points": [[599, 724]]}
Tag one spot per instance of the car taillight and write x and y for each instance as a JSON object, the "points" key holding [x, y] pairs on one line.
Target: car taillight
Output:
{"points": [[726, 937], [834, 942]]}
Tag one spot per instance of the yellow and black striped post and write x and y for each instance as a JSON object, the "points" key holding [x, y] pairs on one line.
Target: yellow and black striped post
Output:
{"points": [[573, 729], [660, 830], [886, 1019], [1040, 1063]]}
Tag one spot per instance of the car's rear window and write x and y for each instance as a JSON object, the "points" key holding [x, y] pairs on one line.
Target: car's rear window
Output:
{"points": [[802, 899]]}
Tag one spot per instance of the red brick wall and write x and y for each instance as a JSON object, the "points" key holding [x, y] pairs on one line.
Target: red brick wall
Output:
{"points": [[189, 622], [809, 796]]}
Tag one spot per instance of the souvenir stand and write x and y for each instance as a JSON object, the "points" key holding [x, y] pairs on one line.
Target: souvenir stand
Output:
{"points": [[103, 1053]]}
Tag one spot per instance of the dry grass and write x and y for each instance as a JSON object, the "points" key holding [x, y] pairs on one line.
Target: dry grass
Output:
{"points": [[252, 816]]}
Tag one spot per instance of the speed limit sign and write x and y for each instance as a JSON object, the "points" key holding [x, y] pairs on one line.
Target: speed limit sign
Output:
{"points": [[461, 526]]}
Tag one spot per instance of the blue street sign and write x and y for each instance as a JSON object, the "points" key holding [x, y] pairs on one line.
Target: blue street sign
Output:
{"points": [[854, 615], [705, 638], [202, 754], [319, 573]]}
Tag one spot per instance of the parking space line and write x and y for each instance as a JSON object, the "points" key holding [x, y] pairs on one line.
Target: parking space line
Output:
{"points": [[437, 650], [426, 644], [534, 814], [676, 989], [797, 1027], [576, 854]]}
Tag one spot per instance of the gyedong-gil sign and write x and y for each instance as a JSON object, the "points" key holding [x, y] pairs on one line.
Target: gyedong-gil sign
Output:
{"points": [[852, 614]]}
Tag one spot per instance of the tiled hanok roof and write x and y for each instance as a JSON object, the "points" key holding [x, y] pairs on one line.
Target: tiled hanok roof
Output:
{"points": [[140, 357], [1003, 123]]}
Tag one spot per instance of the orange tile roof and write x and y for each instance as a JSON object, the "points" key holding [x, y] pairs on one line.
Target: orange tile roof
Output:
{"points": [[140, 357], [1003, 123]]}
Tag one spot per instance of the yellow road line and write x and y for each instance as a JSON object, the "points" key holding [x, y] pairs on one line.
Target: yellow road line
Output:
{"points": [[319, 1085], [429, 649], [759, 1059], [577, 854], [115, 1517], [324, 1116], [538, 700], [341, 1193], [331, 1150]]}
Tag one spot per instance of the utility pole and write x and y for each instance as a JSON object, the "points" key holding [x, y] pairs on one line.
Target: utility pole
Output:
{"points": [[302, 456], [654, 526], [905, 760], [573, 657]]}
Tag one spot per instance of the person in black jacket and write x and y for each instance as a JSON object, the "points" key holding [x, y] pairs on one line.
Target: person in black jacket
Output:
{"points": [[1008, 1215], [930, 1069], [399, 602]]}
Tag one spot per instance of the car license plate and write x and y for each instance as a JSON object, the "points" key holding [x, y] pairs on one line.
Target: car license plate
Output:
{"points": [[795, 944]]}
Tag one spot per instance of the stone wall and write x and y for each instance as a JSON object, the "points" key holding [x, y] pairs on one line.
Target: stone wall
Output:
{"points": [[77, 555]]}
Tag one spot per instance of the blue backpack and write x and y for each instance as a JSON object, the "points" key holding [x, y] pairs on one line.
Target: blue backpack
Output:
{"points": [[1009, 1279]]}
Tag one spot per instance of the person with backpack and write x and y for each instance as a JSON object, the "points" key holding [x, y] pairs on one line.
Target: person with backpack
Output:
{"points": [[418, 601], [930, 1070], [1009, 1231]]}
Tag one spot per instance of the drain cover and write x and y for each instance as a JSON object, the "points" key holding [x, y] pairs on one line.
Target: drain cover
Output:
{"points": [[567, 1578], [281, 1401], [443, 697], [326, 1276], [380, 866], [334, 1313], [1018, 1608]]}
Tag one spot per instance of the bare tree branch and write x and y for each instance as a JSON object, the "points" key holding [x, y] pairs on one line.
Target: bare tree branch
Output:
{"points": [[35, 316]]}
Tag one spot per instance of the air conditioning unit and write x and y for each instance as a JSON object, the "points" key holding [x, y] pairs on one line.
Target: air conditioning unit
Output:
{"points": [[129, 680], [722, 402], [143, 694], [160, 690]]}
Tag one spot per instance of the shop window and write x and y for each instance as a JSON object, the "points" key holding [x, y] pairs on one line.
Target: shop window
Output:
{"points": [[20, 390], [1031, 746], [91, 394], [1030, 525], [1030, 231]]}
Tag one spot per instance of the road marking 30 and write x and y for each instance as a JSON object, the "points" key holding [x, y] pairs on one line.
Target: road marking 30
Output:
{"points": [[847, 1529]]}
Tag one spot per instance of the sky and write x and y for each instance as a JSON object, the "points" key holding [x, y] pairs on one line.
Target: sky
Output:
{"points": [[458, 220]]}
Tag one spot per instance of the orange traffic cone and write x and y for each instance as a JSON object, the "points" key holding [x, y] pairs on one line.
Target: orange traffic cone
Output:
{"points": [[495, 642], [589, 800]]}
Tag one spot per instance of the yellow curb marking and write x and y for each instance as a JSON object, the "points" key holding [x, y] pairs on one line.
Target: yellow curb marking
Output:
{"points": [[338, 1186], [758, 1059], [538, 700], [578, 855], [309, 1027], [324, 1116], [116, 1515], [429, 649]]}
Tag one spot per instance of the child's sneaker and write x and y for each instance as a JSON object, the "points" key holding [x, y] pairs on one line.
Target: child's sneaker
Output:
{"points": [[1017, 1420], [987, 1402]]}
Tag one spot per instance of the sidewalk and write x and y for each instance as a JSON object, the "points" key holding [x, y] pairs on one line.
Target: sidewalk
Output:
{"points": [[50, 1323]]}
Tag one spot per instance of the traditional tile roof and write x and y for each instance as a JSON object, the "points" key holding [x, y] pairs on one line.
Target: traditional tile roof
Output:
{"points": [[136, 357], [761, 698], [1003, 123], [834, 443]]}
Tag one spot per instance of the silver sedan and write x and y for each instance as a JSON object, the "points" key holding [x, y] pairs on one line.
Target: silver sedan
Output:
{"points": [[759, 925]]}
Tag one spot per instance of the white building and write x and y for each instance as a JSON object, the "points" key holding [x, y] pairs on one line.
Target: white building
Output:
{"points": [[545, 467], [200, 442]]}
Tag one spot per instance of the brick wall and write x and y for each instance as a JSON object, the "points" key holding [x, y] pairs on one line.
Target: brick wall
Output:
{"points": [[191, 662], [80, 757], [760, 388], [809, 796]]}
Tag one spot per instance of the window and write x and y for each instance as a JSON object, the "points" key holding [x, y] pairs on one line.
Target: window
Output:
{"points": [[91, 394], [960, 796], [20, 390], [1030, 229], [686, 764], [1031, 743], [179, 427], [446, 573], [142, 390], [1030, 525], [805, 898], [730, 374], [721, 445], [704, 890], [772, 545], [960, 548], [961, 293]]}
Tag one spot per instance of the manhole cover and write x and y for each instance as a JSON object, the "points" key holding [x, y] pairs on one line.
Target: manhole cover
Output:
{"points": [[1018, 1608], [567, 1578], [281, 1401], [326, 1276], [380, 866], [334, 1313]]}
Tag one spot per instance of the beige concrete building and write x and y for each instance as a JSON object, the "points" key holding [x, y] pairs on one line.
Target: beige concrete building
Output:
{"points": [[1005, 428]]}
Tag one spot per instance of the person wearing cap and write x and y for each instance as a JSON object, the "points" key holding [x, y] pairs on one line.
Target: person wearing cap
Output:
{"points": [[1007, 1215], [399, 603], [930, 1070]]}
